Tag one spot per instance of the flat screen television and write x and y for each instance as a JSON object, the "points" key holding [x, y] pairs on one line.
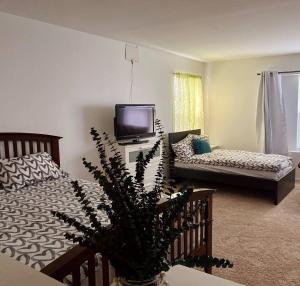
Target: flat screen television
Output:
{"points": [[134, 121]]}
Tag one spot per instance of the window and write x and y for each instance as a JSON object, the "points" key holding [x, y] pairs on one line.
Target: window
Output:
{"points": [[188, 112], [291, 95], [298, 115]]}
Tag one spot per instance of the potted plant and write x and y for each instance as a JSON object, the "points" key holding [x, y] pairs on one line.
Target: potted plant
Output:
{"points": [[137, 240]]}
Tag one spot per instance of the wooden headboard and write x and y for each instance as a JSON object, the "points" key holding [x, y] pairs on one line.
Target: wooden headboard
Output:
{"points": [[19, 144]]}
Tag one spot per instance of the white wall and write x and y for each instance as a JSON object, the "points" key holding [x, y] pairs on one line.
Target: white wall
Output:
{"points": [[59, 81], [232, 97]]}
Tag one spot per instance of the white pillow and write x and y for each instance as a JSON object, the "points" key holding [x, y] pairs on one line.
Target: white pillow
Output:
{"points": [[184, 148], [15, 173]]}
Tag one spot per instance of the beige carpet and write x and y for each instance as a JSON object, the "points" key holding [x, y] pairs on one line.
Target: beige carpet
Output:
{"points": [[263, 240]]}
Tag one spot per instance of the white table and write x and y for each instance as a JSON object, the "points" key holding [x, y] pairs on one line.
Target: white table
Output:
{"points": [[184, 276], [15, 273]]}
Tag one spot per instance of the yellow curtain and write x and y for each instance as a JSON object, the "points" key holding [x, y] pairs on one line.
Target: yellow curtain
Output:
{"points": [[188, 111]]}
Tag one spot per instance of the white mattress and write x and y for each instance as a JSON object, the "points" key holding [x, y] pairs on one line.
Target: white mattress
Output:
{"points": [[276, 176]]}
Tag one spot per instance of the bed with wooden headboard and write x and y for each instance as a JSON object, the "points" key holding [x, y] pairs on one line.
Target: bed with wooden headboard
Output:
{"points": [[20, 144], [279, 189], [193, 241]]}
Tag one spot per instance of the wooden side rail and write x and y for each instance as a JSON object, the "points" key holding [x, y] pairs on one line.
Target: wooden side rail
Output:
{"points": [[194, 241], [70, 263]]}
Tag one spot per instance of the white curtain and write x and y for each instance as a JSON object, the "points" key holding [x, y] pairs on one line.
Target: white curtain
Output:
{"points": [[270, 118]]}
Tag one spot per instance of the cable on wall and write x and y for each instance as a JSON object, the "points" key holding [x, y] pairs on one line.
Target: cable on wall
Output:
{"points": [[131, 82], [132, 55]]}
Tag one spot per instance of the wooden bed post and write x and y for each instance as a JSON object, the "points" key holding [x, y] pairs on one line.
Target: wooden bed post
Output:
{"points": [[105, 271], [208, 229], [55, 150]]}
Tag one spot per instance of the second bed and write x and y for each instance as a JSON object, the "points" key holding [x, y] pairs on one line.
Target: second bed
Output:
{"points": [[271, 173]]}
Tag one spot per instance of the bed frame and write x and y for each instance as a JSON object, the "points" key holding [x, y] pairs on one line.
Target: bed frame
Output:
{"points": [[194, 241], [278, 189]]}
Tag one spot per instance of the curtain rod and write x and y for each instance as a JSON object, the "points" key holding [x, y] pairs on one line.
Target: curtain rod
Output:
{"points": [[186, 73], [285, 72]]}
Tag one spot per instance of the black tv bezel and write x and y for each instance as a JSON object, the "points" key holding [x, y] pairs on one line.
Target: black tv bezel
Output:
{"points": [[136, 136]]}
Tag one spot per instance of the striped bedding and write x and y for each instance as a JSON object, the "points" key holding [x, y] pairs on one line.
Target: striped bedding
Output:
{"points": [[241, 159], [28, 231]]}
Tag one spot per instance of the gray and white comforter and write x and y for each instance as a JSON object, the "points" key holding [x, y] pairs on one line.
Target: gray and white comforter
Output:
{"points": [[28, 231], [241, 159]]}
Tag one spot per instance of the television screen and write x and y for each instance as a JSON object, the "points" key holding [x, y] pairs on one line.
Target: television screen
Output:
{"points": [[134, 120]]}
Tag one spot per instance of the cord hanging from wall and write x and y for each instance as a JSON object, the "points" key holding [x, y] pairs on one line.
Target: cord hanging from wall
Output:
{"points": [[132, 55], [131, 82]]}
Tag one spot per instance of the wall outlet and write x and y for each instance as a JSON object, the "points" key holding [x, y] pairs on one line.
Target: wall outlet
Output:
{"points": [[132, 53]]}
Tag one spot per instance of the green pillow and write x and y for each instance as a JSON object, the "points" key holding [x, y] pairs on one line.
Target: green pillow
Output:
{"points": [[200, 146]]}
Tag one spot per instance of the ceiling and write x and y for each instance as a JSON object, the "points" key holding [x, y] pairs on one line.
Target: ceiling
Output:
{"points": [[203, 30]]}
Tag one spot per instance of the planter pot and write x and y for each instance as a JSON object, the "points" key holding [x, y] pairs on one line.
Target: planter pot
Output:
{"points": [[149, 282], [158, 280]]}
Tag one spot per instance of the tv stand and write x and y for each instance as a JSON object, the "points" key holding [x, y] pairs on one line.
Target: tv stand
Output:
{"points": [[130, 152], [134, 141]]}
